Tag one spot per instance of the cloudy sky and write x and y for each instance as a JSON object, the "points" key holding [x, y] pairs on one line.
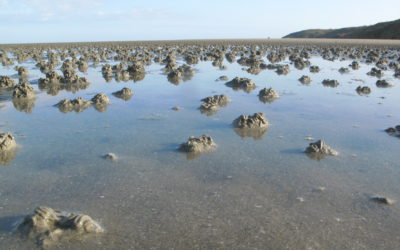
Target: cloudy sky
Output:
{"points": [[25, 21]]}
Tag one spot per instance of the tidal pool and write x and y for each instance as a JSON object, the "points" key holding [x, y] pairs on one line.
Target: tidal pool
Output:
{"points": [[258, 192]]}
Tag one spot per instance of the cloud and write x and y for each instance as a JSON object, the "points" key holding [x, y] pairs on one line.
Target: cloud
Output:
{"points": [[134, 14], [74, 11], [50, 10]]}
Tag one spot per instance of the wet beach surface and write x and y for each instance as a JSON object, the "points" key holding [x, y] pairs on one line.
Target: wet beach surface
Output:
{"points": [[253, 191]]}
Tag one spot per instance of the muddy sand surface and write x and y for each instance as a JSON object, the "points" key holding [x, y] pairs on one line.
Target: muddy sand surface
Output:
{"points": [[116, 157]]}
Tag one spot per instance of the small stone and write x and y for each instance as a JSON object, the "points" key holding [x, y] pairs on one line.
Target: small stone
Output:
{"points": [[222, 78], [110, 156], [382, 200], [176, 108], [320, 189]]}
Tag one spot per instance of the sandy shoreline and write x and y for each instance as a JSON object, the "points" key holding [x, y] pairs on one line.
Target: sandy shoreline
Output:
{"points": [[381, 43]]}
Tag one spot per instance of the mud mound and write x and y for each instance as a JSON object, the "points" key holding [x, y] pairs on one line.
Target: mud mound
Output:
{"points": [[239, 83], [6, 82], [8, 147], [251, 126], [78, 105], [257, 120], [48, 226], [363, 90], [314, 69], [393, 131], [212, 104], [196, 146], [319, 150], [330, 83], [125, 94], [384, 84], [23, 90], [268, 95], [305, 79]]}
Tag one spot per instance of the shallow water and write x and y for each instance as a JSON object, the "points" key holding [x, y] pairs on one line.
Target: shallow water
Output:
{"points": [[247, 194]]}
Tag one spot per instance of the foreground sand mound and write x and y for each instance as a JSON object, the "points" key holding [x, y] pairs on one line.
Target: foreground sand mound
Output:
{"points": [[48, 226], [7, 148]]}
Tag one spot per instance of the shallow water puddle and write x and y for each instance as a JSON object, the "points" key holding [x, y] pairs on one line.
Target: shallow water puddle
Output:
{"points": [[253, 191]]}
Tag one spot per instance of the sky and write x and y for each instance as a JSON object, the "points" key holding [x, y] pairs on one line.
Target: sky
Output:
{"points": [[34, 21]]}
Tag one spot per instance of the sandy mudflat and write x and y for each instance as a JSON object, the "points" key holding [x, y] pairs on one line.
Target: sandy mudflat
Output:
{"points": [[381, 43], [254, 189]]}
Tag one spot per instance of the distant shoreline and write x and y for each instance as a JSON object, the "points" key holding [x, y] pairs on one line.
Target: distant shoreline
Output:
{"points": [[257, 41]]}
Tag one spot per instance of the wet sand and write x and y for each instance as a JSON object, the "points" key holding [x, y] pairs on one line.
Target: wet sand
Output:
{"points": [[249, 193]]}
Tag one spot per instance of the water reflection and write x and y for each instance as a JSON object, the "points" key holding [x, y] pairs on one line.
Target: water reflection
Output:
{"points": [[25, 105], [7, 156], [255, 133]]}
